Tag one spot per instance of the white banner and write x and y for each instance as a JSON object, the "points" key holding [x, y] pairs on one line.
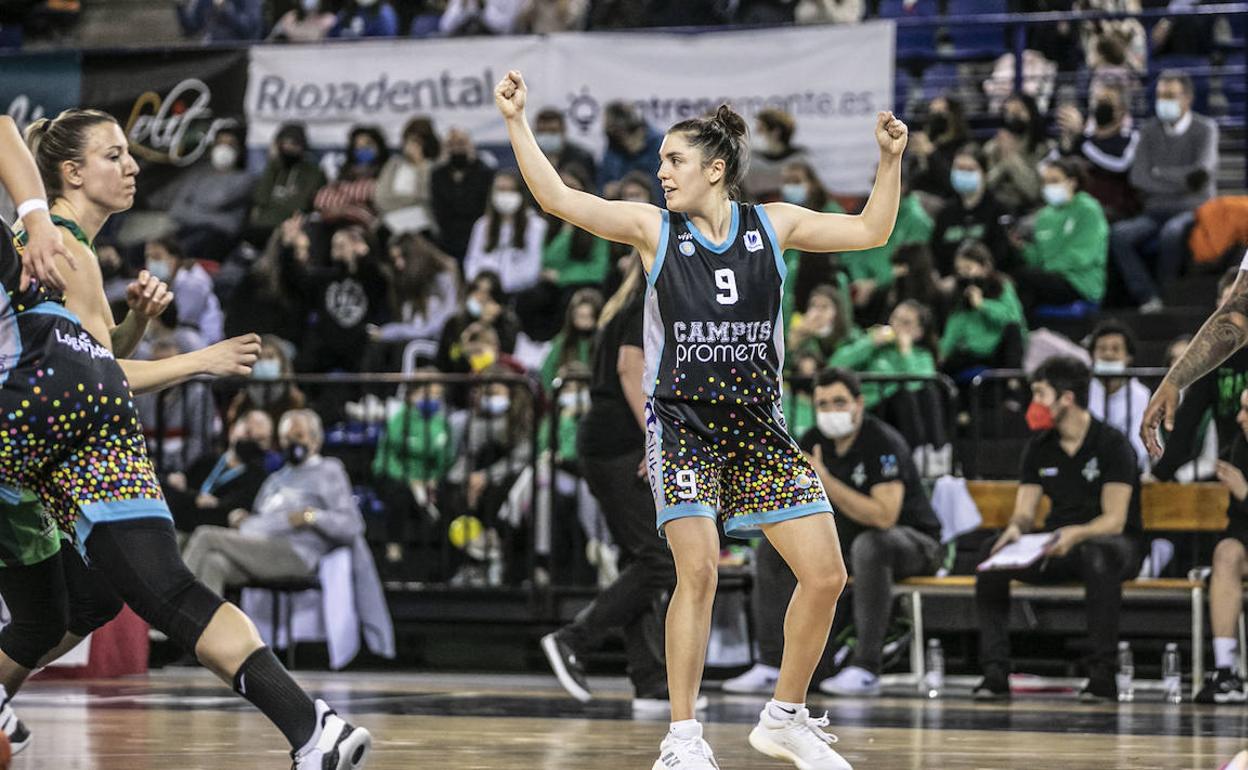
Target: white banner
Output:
{"points": [[832, 79]]}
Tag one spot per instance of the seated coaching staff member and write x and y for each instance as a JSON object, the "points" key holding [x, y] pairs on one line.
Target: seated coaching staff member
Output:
{"points": [[886, 526], [1089, 473]]}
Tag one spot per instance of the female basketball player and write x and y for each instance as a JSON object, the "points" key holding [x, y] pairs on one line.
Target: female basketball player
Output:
{"points": [[717, 442], [74, 436]]}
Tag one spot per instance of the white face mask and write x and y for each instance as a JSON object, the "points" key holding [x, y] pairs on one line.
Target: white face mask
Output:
{"points": [[1056, 194], [835, 425], [1101, 366], [507, 202], [495, 406], [223, 157], [1169, 110], [161, 270]]}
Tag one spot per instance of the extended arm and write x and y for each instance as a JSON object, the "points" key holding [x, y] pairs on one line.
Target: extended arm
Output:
{"points": [[20, 177]]}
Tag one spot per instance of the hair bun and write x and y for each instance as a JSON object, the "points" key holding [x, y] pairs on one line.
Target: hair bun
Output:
{"points": [[35, 132], [732, 122]]}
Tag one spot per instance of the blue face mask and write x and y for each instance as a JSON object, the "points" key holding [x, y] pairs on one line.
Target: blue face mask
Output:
{"points": [[428, 407], [1056, 194], [365, 155], [495, 406], [266, 369], [965, 182], [1169, 110], [160, 269], [795, 193]]}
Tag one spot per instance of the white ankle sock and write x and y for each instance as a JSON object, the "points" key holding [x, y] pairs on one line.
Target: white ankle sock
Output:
{"points": [[779, 710], [1225, 652], [686, 730]]}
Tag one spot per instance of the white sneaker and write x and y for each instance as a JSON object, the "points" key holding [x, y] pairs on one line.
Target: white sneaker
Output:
{"points": [[800, 740], [14, 730], [337, 746], [758, 680], [687, 754], [657, 706], [852, 681]]}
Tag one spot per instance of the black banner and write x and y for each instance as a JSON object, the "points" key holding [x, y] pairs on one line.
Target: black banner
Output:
{"points": [[171, 104]]}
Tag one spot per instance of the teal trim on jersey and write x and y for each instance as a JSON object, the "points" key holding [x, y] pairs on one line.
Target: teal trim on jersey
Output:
{"points": [[10, 495], [53, 308], [732, 232], [660, 250], [16, 334], [748, 527], [117, 510], [775, 244], [685, 511]]}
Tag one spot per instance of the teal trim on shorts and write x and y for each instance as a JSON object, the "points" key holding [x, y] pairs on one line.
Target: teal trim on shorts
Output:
{"points": [[749, 527], [685, 511], [117, 510]]}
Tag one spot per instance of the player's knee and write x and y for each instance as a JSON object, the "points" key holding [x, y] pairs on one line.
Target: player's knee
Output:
{"points": [[1228, 556], [84, 620], [827, 580], [699, 575]]}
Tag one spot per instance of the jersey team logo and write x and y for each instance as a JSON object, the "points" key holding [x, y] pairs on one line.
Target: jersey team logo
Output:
{"points": [[753, 240], [687, 248], [804, 482], [1092, 471]]}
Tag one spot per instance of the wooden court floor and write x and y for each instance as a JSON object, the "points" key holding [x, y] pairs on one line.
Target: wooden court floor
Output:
{"points": [[181, 719]]}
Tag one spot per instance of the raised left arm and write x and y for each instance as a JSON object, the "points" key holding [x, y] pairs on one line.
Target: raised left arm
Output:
{"points": [[814, 231]]}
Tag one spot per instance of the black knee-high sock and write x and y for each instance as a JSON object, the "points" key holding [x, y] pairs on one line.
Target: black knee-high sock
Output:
{"points": [[262, 680]]}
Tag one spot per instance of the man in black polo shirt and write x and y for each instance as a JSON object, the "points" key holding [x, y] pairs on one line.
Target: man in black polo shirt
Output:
{"points": [[1089, 473], [886, 525]]}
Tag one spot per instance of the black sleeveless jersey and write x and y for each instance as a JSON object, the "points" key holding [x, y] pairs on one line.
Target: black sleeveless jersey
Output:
{"points": [[17, 335], [713, 331]]}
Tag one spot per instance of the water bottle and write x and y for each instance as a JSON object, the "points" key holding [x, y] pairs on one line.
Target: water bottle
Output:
{"points": [[1172, 674], [1125, 678], [934, 679]]}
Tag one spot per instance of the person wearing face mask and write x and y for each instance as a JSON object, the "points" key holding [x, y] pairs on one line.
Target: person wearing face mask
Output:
{"points": [[550, 128], [801, 186], [349, 198], [886, 525], [825, 325], [402, 196], [987, 328], [508, 238], [481, 17], [413, 455], [460, 192], [1107, 142], [632, 145], [573, 257], [1066, 258], [263, 392], [1119, 402], [310, 21], [771, 148], [575, 342], [1015, 153], [972, 214], [1089, 473], [485, 304], [210, 209], [197, 305], [932, 150], [213, 486], [1176, 168], [874, 271], [221, 21], [286, 187], [366, 18]]}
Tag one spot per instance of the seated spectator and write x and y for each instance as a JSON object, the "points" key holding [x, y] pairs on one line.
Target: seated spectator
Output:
{"points": [[1212, 399], [481, 17], [931, 151], [886, 525], [508, 239], [366, 18], [413, 455], [348, 200], [1088, 472], [801, 186], [972, 214], [484, 302], [198, 308], [575, 342], [1225, 684], [632, 145], [1175, 171], [213, 486], [1118, 402], [221, 21], [404, 188], [210, 208], [772, 149], [872, 272], [826, 325], [1014, 155], [287, 185], [461, 191], [345, 298], [551, 131], [912, 277], [1128, 34], [573, 257], [303, 511], [1107, 143], [424, 294], [179, 423], [987, 328], [268, 299], [264, 393], [543, 17], [1065, 262], [482, 350], [310, 21], [828, 11]]}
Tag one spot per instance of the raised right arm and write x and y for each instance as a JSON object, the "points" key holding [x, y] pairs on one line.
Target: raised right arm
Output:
{"points": [[635, 224], [20, 177]]}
